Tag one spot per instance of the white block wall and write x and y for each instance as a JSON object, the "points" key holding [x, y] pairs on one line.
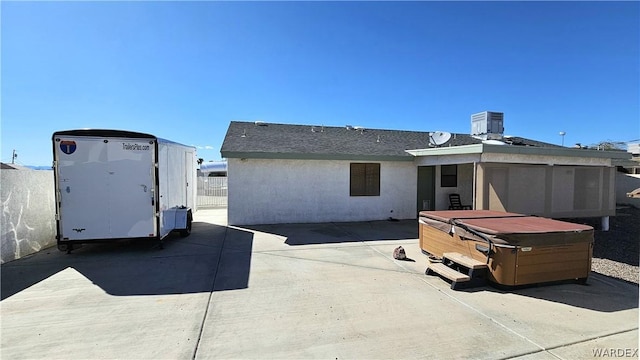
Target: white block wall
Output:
{"points": [[270, 191]]}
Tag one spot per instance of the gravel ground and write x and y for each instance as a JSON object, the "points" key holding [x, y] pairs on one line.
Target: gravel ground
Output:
{"points": [[616, 252]]}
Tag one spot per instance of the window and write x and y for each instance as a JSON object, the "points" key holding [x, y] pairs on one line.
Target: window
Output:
{"points": [[365, 179], [449, 175]]}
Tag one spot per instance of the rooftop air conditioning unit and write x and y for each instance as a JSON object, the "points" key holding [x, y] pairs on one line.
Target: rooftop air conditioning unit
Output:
{"points": [[487, 125]]}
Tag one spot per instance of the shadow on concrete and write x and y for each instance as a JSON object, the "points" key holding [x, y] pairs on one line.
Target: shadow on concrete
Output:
{"points": [[218, 258], [235, 261], [212, 258], [341, 232], [601, 293]]}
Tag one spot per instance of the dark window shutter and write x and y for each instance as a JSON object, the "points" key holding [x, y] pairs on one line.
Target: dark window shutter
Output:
{"points": [[372, 179], [357, 179], [364, 179]]}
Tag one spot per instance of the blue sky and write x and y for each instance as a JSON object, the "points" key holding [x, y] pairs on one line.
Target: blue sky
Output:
{"points": [[183, 71]]}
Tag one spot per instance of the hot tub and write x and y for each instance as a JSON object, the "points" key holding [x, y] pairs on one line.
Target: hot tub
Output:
{"points": [[518, 249]]}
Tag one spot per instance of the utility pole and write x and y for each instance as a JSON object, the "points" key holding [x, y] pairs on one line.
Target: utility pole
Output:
{"points": [[13, 157]]}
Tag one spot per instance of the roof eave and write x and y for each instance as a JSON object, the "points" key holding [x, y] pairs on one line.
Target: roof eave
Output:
{"points": [[449, 150], [313, 156], [519, 150]]}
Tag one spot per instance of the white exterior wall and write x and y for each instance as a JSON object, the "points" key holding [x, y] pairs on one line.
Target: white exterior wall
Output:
{"points": [[269, 191], [464, 188]]}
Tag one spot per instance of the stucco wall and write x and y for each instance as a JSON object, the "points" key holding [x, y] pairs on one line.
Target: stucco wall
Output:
{"points": [[464, 188], [268, 191], [28, 212], [626, 183]]}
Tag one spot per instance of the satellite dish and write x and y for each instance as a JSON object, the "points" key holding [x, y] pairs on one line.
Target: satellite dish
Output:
{"points": [[439, 137]]}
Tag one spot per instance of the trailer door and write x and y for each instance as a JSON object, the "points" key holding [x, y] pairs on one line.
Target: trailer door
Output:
{"points": [[191, 181], [105, 187], [131, 187], [81, 165]]}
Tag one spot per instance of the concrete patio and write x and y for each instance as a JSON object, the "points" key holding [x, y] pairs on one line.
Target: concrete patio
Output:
{"points": [[296, 291]]}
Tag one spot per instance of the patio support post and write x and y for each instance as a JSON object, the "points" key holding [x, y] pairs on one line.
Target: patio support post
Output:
{"points": [[605, 223], [475, 184]]}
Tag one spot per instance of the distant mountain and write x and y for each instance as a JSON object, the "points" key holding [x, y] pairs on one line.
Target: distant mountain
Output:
{"points": [[6, 166]]}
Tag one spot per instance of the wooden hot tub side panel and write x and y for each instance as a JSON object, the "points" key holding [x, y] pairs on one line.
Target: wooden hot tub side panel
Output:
{"points": [[437, 242], [553, 263], [502, 265]]}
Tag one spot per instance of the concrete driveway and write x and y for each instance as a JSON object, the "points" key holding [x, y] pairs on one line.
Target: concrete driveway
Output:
{"points": [[330, 291]]}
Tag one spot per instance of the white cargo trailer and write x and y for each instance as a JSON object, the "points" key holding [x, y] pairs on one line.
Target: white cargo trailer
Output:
{"points": [[114, 184]]}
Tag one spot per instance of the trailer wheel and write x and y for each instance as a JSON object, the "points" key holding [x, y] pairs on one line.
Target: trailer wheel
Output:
{"points": [[186, 232], [68, 247]]}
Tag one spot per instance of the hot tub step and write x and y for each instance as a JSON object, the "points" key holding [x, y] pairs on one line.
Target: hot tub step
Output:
{"points": [[447, 272], [461, 270], [464, 260]]}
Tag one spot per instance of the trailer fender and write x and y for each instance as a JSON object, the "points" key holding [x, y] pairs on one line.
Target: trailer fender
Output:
{"points": [[184, 219]]}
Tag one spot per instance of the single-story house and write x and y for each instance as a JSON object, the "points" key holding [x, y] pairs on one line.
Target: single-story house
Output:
{"points": [[280, 173]]}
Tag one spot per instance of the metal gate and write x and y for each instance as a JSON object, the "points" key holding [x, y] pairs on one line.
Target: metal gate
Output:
{"points": [[212, 191]]}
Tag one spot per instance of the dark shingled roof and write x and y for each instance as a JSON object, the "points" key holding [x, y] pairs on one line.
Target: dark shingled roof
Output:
{"points": [[249, 139]]}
